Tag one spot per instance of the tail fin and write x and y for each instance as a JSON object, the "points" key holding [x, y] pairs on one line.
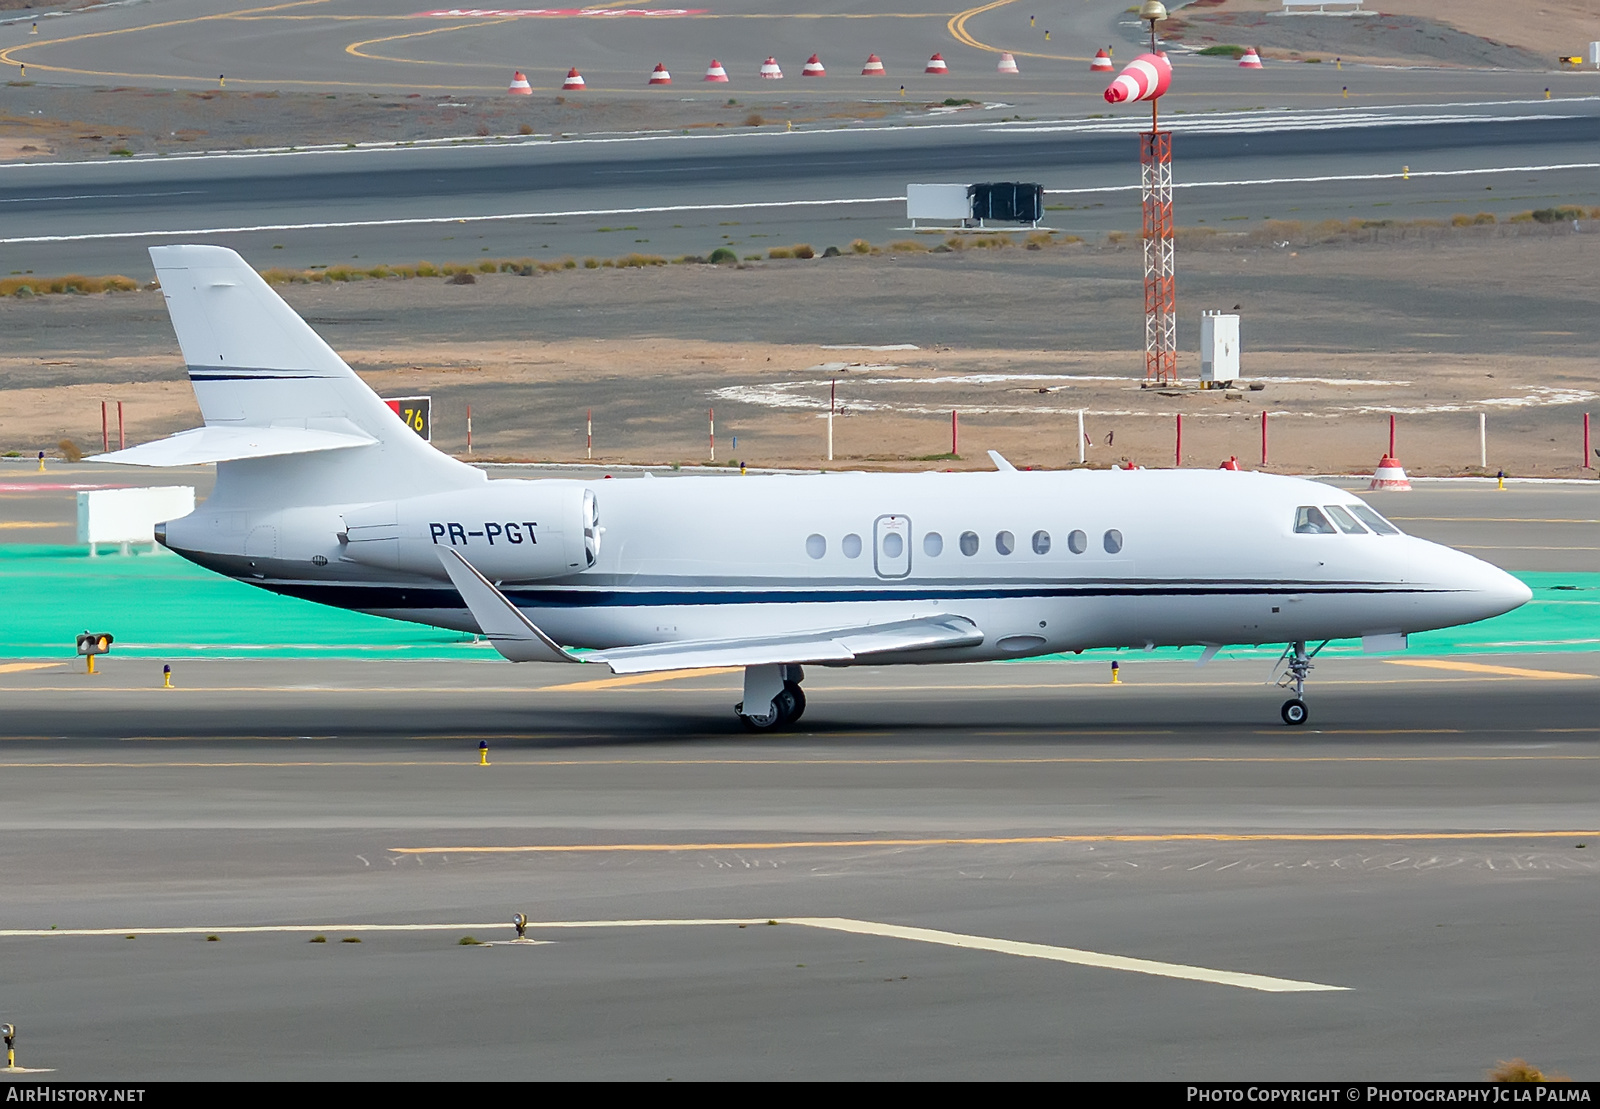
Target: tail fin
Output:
{"points": [[254, 363]]}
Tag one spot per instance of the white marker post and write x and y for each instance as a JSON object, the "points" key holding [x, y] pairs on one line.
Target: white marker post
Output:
{"points": [[469, 429], [711, 419], [833, 394], [1082, 441], [1483, 441], [588, 433]]}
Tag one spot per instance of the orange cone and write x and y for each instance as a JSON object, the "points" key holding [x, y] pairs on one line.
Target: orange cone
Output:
{"points": [[660, 76], [874, 67], [715, 72], [1250, 60], [813, 68], [1391, 476], [574, 80], [519, 85], [1101, 61], [936, 65], [1008, 64], [1231, 464]]}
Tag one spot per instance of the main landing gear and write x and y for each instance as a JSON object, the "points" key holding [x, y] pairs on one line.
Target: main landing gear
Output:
{"points": [[1298, 665], [777, 689]]}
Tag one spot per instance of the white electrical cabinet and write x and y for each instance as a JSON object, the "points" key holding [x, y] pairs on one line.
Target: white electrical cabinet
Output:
{"points": [[945, 203], [124, 516], [1219, 348]]}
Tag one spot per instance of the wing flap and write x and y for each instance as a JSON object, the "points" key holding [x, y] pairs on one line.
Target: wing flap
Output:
{"points": [[218, 443], [941, 631]]}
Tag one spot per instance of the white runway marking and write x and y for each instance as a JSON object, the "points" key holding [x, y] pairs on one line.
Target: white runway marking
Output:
{"points": [[1073, 955]]}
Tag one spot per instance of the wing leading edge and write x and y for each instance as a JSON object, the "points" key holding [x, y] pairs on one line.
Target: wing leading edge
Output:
{"points": [[516, 637]]}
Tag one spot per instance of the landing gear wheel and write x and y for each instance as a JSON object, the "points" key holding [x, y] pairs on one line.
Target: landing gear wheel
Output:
{"points": [[786, 707], [797, 701], [1295, 711]]}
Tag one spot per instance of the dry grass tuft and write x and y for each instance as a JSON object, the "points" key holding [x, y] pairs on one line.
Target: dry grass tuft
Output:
{"points": [[69, 450], [907, 246], [754, 119], [71, 283], [639, 261], [1520, 1070]]}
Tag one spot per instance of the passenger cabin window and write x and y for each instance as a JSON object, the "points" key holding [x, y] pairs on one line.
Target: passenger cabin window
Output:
{"points": [[1347, 523], [969, 543], [933, 544], [816, 546], [851, 546], [1005, 542], [1309, 520], [1113, 541], [893, 545], [1041, 542], [1373, 520], [1077, 542]]}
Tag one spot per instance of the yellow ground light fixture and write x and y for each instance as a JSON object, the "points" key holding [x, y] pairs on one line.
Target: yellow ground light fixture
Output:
{"points": [[94, 643]]}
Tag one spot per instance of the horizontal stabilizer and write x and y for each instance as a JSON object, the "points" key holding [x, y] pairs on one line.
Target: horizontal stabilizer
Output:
{"points": [[502, 622], [835, 645], [219, 443]]}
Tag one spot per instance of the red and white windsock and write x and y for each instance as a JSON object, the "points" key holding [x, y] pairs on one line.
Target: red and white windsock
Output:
{"points": [[1008, 64], [1145, 78], [519, 85], [574, 80], [715, 72], [874, 67], [770, 70], [660, 76], [1391, 476], [1100, 61], [1250, 59], [813, 68], [936, 65]]}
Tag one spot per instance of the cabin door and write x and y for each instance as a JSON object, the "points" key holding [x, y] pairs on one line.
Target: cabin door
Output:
{"points": [[892, 546]]}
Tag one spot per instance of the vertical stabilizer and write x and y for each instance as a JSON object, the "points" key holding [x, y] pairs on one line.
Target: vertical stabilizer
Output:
{"points": [[255, 363]]}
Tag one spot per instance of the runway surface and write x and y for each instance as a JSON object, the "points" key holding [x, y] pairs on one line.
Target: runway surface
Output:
{"points": [[948, 853]]}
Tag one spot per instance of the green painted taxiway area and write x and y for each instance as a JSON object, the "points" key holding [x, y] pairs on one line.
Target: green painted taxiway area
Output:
{"points": [[160, 606]]}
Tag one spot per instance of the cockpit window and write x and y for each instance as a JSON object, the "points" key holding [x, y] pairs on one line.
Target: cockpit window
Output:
{"points": [[1309, 520], [1373, 520], [1347, 523]]}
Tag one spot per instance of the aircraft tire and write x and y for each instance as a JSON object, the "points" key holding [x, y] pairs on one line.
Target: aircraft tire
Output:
{"points": [[1295, 712], [784, 710], [797, 698]]}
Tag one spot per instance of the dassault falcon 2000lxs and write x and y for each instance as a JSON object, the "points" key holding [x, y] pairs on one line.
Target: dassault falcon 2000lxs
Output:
{"points": [[323, 493]]}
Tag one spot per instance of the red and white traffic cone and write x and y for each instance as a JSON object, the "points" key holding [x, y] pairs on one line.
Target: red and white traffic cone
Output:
{"points": [[574, 80], [1008, 64], [1100, 61], [813, 68], [874, 67], [1144, 78], [519, 85], [660, 76], [1391, 476], [936, 65], [1231, 464], [715, 72], [770, 70], [1250, 60]]}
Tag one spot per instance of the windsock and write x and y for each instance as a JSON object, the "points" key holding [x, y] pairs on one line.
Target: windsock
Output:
{"points": [[1145, 78], [874, 67], [519, 85], [813, 68], [771, 70], [1100, 62], [1008, 64], [574, 80], [1250, 59], [660, 76]]}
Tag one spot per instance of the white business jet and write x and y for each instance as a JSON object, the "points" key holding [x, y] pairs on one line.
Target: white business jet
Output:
{"points": [[322, 492]]}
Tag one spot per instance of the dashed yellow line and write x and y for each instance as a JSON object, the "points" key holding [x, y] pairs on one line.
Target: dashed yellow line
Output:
{"points": [[1483, 668], [1001, 841]]}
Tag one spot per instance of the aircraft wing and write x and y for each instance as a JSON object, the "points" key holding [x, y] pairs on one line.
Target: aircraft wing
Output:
{"points": [[518, 639]]}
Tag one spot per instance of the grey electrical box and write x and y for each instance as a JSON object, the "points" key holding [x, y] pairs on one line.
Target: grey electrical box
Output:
{"points": [[1219, 348]]}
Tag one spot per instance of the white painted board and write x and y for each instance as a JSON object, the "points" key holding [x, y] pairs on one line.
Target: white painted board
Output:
{"points": [[130, 515], [941, 202]]}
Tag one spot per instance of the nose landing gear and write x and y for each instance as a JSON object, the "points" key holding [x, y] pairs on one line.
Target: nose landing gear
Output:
{"points": [[776, 687], [1298, 666]]}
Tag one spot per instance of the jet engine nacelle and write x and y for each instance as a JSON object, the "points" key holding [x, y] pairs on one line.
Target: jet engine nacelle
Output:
{"points": [[509, 530]]}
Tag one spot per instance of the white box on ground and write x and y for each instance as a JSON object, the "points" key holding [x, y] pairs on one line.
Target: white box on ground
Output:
{"points": [[937, 202], [1219, 347], [1594, 54], [125, 516]]}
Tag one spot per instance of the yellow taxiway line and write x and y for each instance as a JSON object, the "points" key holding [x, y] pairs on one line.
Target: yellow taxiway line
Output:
{"points": [[1484, 668], [998, 841]]}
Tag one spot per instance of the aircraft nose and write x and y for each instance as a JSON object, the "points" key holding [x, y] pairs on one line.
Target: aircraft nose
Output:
{"points": [[1490, 590]]}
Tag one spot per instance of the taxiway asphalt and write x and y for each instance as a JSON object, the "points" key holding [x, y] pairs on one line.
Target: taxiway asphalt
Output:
{"points": [[1418, 851]]}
